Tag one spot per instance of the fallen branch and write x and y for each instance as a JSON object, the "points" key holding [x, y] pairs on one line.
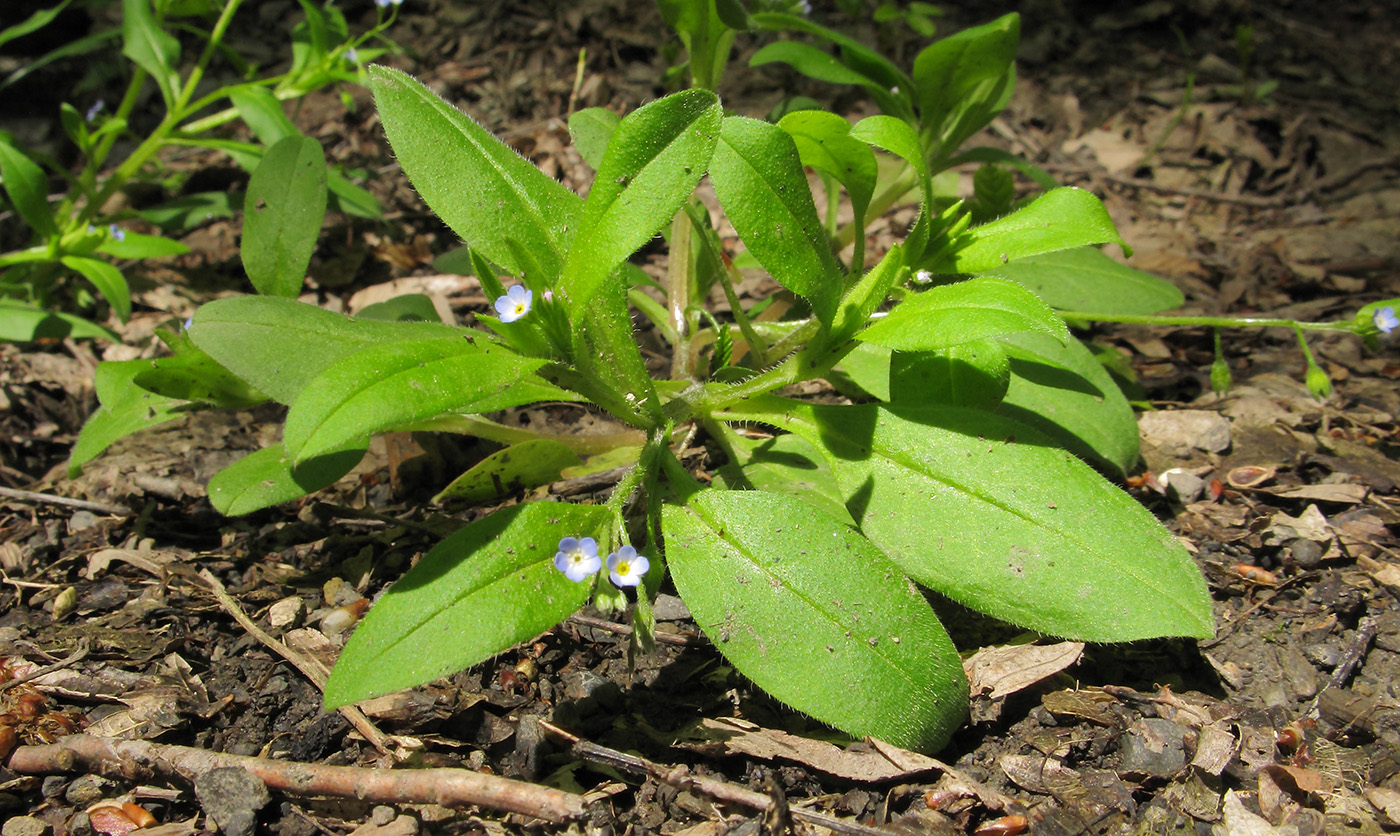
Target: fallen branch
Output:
{"points": [[140, 760]]}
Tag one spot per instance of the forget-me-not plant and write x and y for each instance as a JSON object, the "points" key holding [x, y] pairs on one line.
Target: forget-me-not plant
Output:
{"points": [[626, 567], [515, 304], [578, 558]]}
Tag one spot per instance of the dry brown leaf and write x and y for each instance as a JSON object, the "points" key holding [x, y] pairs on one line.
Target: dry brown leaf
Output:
{"points": [[996, 672], [860, 762]]}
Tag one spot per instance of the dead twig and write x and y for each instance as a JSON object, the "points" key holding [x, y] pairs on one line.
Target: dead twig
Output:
{"points": [[80, 504], [627, 630], [682, 778], [140, 760], [310, 667]]}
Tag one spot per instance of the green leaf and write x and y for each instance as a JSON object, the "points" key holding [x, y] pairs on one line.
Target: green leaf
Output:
{"points": [[279, 345], [808, 60], [267, 477], [867, 295], [260, 108], [27, 188], [384, 386], [482, 189], [409, 307], [282, 215], [194, 376], [522, 466], [824, 142], [126, 409], [154, 50], [758, 178], [605, 353], [783, 464], [33, 23], [1057, 220], [1063, 391], [108, 280], [815, 615], [856, 55], [656, 156], [1086, 279], [592, 129], [950, 315], [192, 210], [136, 245], [983, 510], [973, 374], [20, 322], [477, 593], [962, 76]]}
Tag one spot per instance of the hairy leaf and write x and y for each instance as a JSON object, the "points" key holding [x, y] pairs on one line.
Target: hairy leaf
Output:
{"points": [[950, 315], [1057, 220], [815, 615], [282, 215], [1086, 279], [476, 594], [267, 477]]}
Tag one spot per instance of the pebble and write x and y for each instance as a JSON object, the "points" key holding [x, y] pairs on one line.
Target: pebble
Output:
{"points": [[1182, 485], [25, 826], [1175, 432], [1154, 747], [231, 797], [1306, 553], [287, 613], [88, 789]]}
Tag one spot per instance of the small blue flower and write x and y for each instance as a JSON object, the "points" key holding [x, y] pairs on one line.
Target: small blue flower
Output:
{"points": [[578, 559], [515, 304], [626, 567], [94, 110], [384, 4], [117, 232], [1385, 319], [352, 56]]}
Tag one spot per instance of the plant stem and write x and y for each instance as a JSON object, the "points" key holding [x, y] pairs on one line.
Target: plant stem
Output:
{"points": [[1205, 321], [679, 270]]}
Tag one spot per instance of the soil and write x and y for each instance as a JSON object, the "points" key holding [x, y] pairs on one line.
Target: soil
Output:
{"points": [[1249, 197]]}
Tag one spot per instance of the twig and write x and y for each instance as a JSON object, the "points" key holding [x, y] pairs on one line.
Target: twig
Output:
{"points": [[682, 778], [139, 760], [310, 667], [1356, 648], [626, 630], [80, 504], [74, 658]]}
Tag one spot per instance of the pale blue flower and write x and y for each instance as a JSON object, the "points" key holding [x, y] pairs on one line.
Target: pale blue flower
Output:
{"points": [[94, 110], [352, 56], [626, 567], [515, 304], [117, 232], [384, 4], [1385, 319], [578, 559]]}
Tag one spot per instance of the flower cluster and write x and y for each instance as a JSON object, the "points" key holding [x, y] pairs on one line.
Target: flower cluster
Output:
{"points": [[578, 559]]}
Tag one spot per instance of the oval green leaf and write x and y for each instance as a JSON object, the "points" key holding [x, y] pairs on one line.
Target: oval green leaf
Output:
{"points": [[480, 187], [1087, 279], [984, 510], [386, 386], [282, 215], [267, 477], [950, 315], [108, 280], [519, 467], [758, 178], [1057, 220], [815, 615], [27, 188], [477, 593], [654, 159]]}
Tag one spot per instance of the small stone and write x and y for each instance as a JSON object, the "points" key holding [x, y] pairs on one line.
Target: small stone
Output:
{"points": [[287, 613], [1154, 747], [1183, 486], [1175, 432], [231, 797], [25, 826], [81, 521], [1306, 553], [382, 815], [87, 790]]}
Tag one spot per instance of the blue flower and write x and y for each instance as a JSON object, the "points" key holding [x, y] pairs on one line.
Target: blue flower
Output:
{"points": [[352, 56], [1385, 319], [384, 4], [577, 559], [515, 304], [626, 567], [94, 110], [118, 233]]}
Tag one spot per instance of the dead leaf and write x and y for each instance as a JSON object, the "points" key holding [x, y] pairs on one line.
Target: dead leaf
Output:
{"points": [[996, 672], [860, 762], [1343, 493]]}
